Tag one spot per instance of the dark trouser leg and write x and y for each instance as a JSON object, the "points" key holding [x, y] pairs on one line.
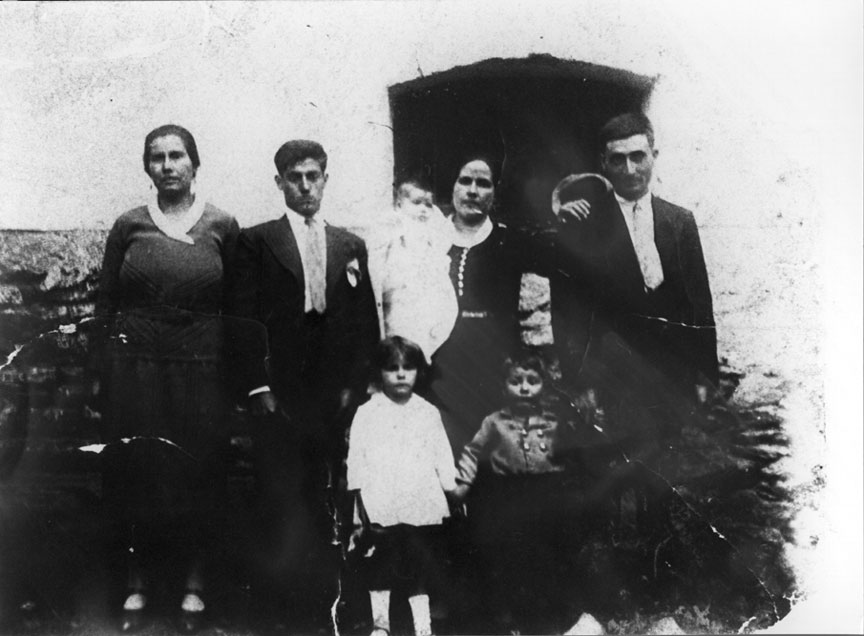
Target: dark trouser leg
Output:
{"points": [[283, 516]]}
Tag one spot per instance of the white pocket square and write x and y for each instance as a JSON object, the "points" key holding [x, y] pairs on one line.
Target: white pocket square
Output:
{"points": [[352, 269]]}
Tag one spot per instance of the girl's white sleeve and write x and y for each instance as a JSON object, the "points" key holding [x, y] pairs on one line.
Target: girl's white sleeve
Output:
{"points": [[357, 462], [445, 465]]}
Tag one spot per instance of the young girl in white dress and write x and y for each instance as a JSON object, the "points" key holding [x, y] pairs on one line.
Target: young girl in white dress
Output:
{"points": [[399, 468]]}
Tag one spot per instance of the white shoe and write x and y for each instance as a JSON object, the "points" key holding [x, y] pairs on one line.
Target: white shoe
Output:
{"points": [[586, 625], [135, 602], [192, 603]]}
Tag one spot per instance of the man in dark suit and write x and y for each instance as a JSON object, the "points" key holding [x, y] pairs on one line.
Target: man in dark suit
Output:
{"points": [[303, 287], [634, 327], [632, 263]]}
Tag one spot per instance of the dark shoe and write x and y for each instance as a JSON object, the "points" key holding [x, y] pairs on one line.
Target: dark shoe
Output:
{"points": [[132, 621], [190, 622]]}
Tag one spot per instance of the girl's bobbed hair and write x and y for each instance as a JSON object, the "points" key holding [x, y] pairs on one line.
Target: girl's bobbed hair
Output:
{"points": [[394, 349]]}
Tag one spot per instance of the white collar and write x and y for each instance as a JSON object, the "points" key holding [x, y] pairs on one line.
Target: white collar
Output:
{"points": [[380, 399], [644, 201], [463, 240], [177, 229], [298, 221]]}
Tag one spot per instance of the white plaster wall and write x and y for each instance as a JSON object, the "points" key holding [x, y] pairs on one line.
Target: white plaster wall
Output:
{"points": [[757, 110]]}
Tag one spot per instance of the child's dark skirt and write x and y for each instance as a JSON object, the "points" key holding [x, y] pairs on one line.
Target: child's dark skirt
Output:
{"points": [[405, 557]]}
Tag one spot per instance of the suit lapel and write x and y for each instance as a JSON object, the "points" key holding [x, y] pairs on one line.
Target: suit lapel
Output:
{"points": [[664, 234], [335, 259], [283, 244], [621, 259]]}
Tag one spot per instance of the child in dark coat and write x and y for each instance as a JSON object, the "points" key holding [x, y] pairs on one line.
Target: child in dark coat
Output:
{"points": [[527, 487]]}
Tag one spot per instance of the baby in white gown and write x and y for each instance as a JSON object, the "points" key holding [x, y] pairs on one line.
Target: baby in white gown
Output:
{"points": [[418, 300]]}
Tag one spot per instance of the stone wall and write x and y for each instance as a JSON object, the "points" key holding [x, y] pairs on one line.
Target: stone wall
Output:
{"points": [[47, 280]]}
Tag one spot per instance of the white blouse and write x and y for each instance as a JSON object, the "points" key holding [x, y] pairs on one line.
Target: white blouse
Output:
{"points": [[400, 460]]}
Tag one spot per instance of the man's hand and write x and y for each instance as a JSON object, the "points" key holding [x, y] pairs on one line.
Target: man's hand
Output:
{"points": [[589, 409], [458, 494], [701, 394], [357, 539], [456, 501], [346, 396], [263, 403], [577, 210]]}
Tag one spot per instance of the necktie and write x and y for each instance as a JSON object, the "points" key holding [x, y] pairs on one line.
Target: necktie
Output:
{"points": [[314, 265], [646, 250]]}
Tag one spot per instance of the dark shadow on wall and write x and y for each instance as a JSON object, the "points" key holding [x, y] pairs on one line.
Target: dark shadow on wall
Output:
{"points": [[539, 114]]}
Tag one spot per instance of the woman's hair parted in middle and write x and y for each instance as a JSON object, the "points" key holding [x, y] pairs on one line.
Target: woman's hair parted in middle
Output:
{"points": [[178, 131], [394, 349]]}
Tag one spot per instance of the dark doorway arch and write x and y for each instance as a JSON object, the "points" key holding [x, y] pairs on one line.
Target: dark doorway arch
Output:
{"points": [[539, 114]]}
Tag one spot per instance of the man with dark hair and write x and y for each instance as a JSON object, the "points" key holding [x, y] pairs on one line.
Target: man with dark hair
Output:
{"points": [[634, 327], [307, 283], [639, 260]]}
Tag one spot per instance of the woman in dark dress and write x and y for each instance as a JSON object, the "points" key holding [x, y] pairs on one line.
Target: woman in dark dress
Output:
{"points": [[485, 272], [162, 387]]}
